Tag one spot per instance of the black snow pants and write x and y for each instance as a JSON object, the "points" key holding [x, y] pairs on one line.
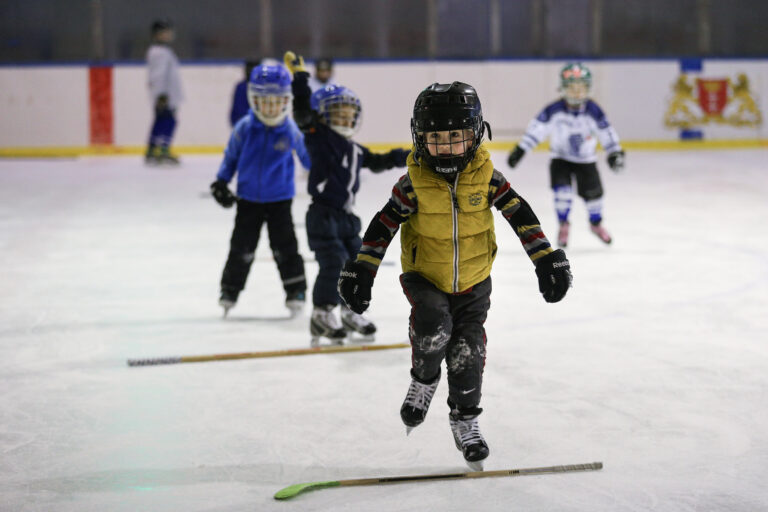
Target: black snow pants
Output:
{"points": [[448, 326], [249, 219]]}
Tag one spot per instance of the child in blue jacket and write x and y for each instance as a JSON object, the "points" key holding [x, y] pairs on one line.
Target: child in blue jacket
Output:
{"points": [[329, 118], [260, 152]]}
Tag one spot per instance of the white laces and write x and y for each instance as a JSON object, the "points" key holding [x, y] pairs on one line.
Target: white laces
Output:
{"points": [[468, 431], [420, 395]]}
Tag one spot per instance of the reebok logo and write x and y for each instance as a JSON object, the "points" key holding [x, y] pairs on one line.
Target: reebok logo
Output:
{"points": [[559, 264]]}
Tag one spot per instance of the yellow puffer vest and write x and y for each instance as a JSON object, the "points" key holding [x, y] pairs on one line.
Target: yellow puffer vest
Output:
{"points": [[450, 240]]}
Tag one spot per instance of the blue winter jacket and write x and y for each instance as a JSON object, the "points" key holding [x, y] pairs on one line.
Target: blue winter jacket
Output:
{"points": [[263, 160]]}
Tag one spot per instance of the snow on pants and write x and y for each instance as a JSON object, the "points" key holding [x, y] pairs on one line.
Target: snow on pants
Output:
{"points": [[448, 326], [249, 220], [334, 236]]}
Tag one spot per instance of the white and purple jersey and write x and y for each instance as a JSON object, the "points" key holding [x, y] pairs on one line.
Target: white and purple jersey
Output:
{"points": [[573, 132]]}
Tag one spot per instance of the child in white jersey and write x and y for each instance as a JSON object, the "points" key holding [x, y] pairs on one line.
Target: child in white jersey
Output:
{"points": [[571, 124]]}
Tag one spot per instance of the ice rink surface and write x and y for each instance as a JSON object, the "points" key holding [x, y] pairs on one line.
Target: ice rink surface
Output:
{"points": [[656, 363]]}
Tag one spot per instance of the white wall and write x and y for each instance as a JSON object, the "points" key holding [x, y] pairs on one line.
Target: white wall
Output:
{"points": [[48, 106], [44, 106]]}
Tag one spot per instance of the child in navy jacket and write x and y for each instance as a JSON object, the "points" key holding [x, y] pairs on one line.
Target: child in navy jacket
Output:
{"points": [[329, 118], [260, 152]]}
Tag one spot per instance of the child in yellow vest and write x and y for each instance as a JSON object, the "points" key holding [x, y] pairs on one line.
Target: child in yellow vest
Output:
{"points": [[448, 246]]}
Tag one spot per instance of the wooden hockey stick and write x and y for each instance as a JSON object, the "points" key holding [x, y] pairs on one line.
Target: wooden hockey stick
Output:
{"points": [[294, 490], [331, 349]]}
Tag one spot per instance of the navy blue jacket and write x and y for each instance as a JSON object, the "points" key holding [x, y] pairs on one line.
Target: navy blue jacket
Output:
{"points": [[240, 105], [334, 177], [262, 157]]}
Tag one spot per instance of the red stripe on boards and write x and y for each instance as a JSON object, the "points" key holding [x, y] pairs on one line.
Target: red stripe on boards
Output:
{"points": [[100, 105]]}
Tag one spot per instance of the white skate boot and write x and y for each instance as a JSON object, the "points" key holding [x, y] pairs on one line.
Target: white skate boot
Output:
{"points": [[325, 324], [357, 323]]}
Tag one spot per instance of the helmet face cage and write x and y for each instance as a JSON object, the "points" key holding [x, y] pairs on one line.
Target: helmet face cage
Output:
{"points": [[575, 83], [447, 126], [269, 93], [339, 108]]}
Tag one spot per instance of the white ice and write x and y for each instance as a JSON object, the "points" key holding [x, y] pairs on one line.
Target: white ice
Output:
{"points": [[656, 363]]}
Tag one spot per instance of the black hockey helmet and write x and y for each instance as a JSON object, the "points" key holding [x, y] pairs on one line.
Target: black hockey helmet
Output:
{"points": [[442, 107], [161, 24]]}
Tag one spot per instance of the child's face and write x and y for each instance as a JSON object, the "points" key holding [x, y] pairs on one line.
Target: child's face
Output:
{"points": [[343, 116], [576, 92], [271, 106], [166, 36], [449, 142]]}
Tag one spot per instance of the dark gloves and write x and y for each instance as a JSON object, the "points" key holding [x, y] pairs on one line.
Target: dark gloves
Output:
{"points": [[554, 273], [616, 161], [222, 194], [515, 156], [355, 283], [161, 103], [399, 156]]}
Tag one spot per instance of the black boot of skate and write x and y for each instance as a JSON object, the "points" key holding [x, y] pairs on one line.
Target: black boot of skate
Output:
{"points": [[325, 324], [466, 434], [416, 403], [228, 299]]}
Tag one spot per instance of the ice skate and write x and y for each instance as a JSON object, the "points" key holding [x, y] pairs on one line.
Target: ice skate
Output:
{"points": [[167, 159], [469, 440], [359, 324], [325, 324], [562, 235], [227, 300], [601, 233], [294, 301], [417, 401]]}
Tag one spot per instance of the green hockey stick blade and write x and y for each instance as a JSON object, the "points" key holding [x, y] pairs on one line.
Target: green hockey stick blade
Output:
{"points": [[294, 490]]}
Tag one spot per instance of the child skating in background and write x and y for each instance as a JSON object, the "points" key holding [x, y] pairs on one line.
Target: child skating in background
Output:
{"points": [[260, 152], [329, 118], [571, 123], [164, 80], [448, 245]]}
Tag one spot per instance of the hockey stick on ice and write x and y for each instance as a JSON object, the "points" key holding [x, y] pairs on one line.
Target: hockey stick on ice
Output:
{"points": [[332, 349], [293, 490]]}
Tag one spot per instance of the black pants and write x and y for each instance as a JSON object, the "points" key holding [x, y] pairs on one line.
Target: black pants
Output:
{"points": [[282, 240], [334, 236], [562, 172], [448, 326]]}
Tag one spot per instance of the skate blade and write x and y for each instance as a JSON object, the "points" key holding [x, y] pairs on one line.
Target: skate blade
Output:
{"points": [[475, 465], [362, 338], [333, 342], [408, 430]]}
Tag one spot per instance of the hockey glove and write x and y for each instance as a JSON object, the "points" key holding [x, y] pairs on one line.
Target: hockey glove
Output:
{"points": [[161, 103], [616, 161], [515, 156], [293, 63], [355, 283], [222, 194], [554, 273]]}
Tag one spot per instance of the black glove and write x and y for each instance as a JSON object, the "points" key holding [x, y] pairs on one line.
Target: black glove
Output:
{"points": [[399, 156], [355, 283], [161, 103], [222, 194], [515, 156], [554, 273], [616, 161]]}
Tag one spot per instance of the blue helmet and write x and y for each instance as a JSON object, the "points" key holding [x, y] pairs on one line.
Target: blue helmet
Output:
{"points": [[269, 93], [339, 107]]}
